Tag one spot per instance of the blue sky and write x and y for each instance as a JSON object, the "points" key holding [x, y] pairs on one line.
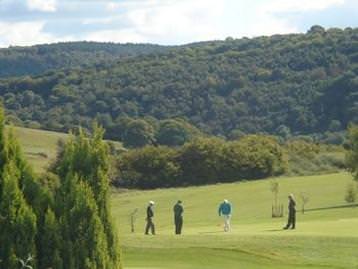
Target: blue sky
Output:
{"points": [[28, 22]]}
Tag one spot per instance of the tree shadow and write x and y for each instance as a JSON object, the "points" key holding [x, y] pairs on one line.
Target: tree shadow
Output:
{"points": [[331, 207]]}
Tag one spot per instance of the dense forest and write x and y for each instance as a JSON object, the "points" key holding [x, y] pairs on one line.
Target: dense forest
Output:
{"points": [[286, 85], [17, 61]]}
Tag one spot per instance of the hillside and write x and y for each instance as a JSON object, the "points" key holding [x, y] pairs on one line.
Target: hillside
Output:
{"points": [[40, 147], [17, 61], [284, 84], [326, 235]]}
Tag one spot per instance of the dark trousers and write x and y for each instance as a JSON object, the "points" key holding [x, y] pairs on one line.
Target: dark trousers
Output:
{"points": [[291, 220], [150, 226], [178, 224]]}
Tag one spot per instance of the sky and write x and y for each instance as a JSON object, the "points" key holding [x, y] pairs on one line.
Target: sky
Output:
{"points": [[167, 22]]}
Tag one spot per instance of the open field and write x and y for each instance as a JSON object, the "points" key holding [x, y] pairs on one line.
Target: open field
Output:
{"points": [[39, 146], [326, 236]]}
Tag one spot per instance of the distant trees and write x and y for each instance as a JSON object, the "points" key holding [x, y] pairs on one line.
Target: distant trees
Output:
{"points": [[138, 133], [175, 132], [286, 85], [201, 161]]}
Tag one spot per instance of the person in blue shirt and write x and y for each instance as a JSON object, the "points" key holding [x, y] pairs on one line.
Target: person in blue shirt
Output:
{"points": [[225, 209]]}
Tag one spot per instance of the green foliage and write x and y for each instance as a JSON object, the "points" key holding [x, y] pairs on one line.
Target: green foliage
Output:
{"points": [[18, 220], [38, 59], [298, 84], [175, 132], [64, 220], [149, 167], [138, 133], [351, 193], [352, 153], [202, 161], [50, 243], [19, 202], [82, 204]]}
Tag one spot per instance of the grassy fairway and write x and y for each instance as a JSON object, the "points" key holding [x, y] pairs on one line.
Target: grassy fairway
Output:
{"points": [[326, 237]]}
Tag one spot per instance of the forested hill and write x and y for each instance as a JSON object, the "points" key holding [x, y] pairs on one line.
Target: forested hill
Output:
{"points": [[283, 84], [17, 61]]}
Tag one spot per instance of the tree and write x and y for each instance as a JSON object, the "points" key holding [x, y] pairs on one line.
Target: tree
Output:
{"points": [[18, 222], [175, 132], [351, 193], [18, 193], [304, 200], [138, 133], [50, 242], [89, 240], [352, 153]]}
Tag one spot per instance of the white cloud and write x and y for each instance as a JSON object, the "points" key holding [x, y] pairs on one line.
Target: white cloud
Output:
{"points": [[278, 6], [166, 21], [25, 33], [42, 5]]}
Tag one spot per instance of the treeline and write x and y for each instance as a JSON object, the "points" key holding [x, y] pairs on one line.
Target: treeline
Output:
{"points": [[286, 85], [61, 220], [35, 60], [212, 160]]}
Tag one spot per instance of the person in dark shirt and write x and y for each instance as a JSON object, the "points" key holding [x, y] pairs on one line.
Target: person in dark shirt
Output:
{"points": [[178, 217], [291, 213], [150, 214]]}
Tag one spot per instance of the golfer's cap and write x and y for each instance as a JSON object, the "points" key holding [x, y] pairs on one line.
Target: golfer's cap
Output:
{"points": [[179, 201], [151, 202], [226, 200], [291, 195]]}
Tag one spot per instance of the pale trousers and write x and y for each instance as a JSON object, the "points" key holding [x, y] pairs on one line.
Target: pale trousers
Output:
{"points": [[227, 225]]}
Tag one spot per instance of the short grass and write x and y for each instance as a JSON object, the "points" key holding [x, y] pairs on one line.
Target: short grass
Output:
{"points": [[326, 235]]}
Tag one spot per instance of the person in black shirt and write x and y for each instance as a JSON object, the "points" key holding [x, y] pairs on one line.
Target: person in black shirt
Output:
{"points": [[178, 217], [291, 213], [150, 214]]}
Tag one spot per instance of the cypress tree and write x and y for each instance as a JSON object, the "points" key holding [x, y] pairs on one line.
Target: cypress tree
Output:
{"points": [[50, 243], [18, 190], [83, 167], [18, 221]]}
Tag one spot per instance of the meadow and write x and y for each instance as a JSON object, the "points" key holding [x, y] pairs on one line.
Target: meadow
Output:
{"points": [[326, 235]]}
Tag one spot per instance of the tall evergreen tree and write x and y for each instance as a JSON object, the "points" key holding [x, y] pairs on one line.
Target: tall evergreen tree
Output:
{"points": [[83, 168], [18, 221], [50, 243], [18, 190]]}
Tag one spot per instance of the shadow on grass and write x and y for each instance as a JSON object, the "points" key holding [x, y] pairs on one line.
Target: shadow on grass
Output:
{"points": [[213, 232], [275, 230], [331, 207]]}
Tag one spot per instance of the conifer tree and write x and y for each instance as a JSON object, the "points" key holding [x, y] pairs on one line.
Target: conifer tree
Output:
{"points": [[18, 221], [50, 243], [83, 167], [17, 190]]}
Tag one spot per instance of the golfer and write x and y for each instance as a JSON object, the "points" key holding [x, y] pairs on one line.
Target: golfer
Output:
{"points": [[225, 212], [149, 219], [291, 213], [178, 217]]}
